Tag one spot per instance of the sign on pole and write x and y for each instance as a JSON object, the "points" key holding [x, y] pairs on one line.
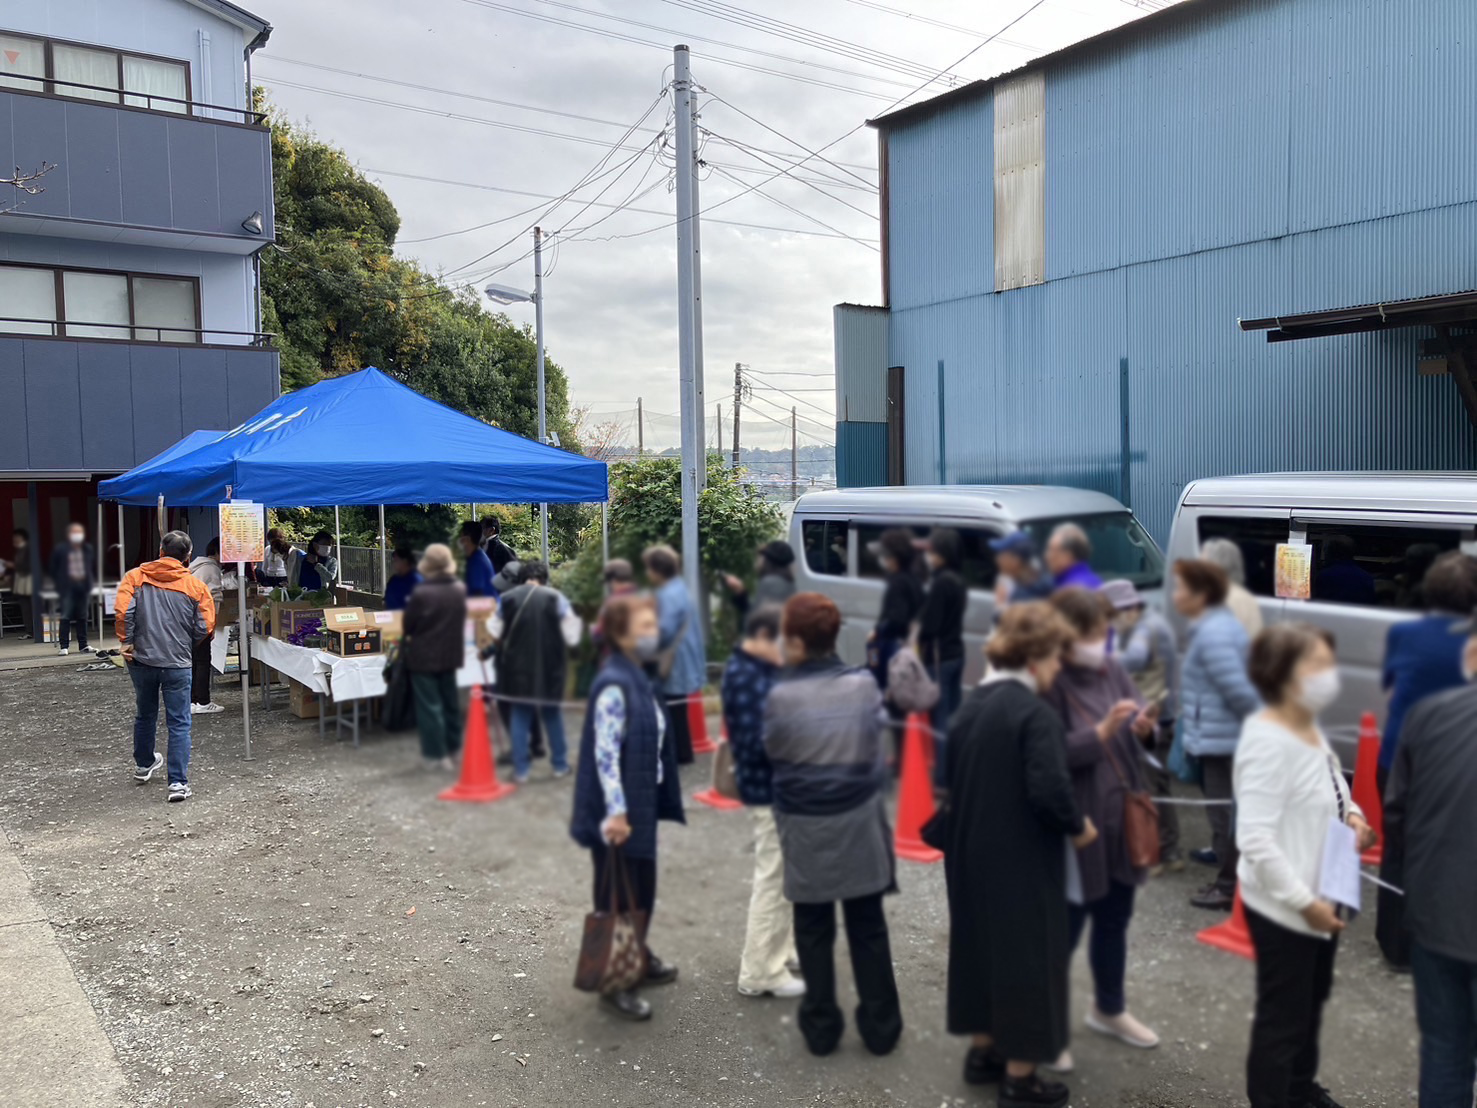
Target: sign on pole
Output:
{"points": [[243, 531]]}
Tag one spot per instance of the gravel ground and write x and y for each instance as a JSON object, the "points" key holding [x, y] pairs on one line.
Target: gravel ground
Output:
{"points": [[315, 930]]}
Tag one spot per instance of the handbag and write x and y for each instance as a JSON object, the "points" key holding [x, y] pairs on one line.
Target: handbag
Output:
{"points": [[1140, 814], [725, 781], [667, 659], [613, 951], [908, 685], [1181, 762], [399, 696], [935, 832]]}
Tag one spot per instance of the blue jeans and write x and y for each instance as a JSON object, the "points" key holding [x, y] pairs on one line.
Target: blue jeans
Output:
{"points": [[148, 683], [1107, 950], [1446, 1009], [949, 676], [553, 731]]}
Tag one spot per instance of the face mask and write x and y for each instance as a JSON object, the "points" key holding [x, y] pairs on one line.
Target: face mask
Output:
{"points": [[323, 548], [1091, 655], [1319, 690], [646, 647], [76, 537]]}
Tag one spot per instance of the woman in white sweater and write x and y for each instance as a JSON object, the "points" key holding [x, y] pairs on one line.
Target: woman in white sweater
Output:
{"points": [[1289, 787]]}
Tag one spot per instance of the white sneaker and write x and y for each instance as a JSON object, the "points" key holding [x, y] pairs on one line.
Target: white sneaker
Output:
{"points": [[1124, 1028], [206, 709], [84, 650], [178, 791], [61, 652], [1064, 1063], [143, 774], [788, 991]]}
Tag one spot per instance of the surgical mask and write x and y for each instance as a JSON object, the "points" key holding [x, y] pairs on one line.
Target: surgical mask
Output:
{"points": [[323, 548], [1091, 655], [1319, 690], [76, 537], [646, 647]]}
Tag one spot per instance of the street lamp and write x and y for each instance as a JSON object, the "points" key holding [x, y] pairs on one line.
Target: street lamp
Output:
{"points": [[504, 295]]}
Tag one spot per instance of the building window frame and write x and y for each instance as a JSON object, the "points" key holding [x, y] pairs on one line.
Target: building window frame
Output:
{"points": [[132, 329], [46, 85]]}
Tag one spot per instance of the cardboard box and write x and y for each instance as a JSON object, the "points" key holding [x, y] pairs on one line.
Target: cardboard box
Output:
{"points": [[303, 701], [289, 617], [349, 632], [391, 626]]}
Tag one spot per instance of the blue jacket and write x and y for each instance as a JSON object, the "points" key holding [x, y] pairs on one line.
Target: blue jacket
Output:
{"points": [[398, 591], [1422, 657], [480, 574], [746, 684], [675, 611], [1215, 692], [647, 800]]}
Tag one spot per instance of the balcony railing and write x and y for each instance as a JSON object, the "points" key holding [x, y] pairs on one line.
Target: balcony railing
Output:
{"points": [[56, 329], [50, 86]]}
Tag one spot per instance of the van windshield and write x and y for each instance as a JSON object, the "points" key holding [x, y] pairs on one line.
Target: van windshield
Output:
{"points": [[1120, 546]]}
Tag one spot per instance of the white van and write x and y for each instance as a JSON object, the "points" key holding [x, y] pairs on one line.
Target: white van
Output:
{"points": [[1373, 535], [830, 532]]}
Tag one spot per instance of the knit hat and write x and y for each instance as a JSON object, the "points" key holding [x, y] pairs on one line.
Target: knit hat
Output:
{"points": [[437, 560], [1121, 594], [778, 553]]}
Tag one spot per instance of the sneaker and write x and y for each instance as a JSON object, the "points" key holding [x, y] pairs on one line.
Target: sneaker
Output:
{"points": [[61, 652], [561, 773], [520, 778], [1213, 898], [1064, 1063], [1032, 1092], [206, 709], [789, 990], [1205, 857], [1317, 1097], [84, 649], [178, 791], [1122, 1027], [143, 774]]}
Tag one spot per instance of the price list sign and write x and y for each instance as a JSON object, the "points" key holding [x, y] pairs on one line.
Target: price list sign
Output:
{"points": [[243, 531]]}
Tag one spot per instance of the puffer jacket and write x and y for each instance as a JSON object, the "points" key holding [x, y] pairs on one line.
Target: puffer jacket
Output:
{"points": [[163, 610], [1215, 692]]}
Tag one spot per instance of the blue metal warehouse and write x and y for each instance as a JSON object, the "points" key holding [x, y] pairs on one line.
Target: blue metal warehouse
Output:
{"points": [[1084, 260]]}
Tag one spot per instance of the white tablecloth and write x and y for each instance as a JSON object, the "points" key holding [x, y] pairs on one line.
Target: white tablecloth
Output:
{"points": [[358, 677]]}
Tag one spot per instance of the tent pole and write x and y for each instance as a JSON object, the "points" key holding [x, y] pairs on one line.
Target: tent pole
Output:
{"points": [[338, 545], [101, 554], [121, 555], [243, 654], [604, 531], [384, 564]]}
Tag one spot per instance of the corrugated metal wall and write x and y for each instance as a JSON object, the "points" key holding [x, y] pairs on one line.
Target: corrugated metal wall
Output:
{"points": [[1233, 160], [861, 454], [861, 363]]}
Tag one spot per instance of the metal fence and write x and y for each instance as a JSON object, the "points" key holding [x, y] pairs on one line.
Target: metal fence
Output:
{"points": [[359, 568]]}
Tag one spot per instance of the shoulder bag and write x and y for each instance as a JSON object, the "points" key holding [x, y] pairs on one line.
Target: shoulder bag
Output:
{"points": [[1140, 814], [725, 781], [612, 952], [908, 685], [667, 659]]}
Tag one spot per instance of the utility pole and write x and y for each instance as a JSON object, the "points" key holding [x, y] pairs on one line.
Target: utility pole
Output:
{"points": [[538, 331], [640, 430], [720, 430], [688, 322], [699, 401], [738, 400], [794, 460]]}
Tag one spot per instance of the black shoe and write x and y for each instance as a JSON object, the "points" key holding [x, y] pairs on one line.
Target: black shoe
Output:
{"points": [[1206, 857], [627, 1005], [1213, 899], [982, 1066], [1317, 1097], [1032, 1092], [659, 972]]}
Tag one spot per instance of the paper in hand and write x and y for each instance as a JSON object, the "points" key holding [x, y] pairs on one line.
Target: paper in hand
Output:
{"points": [[1338, 876]]}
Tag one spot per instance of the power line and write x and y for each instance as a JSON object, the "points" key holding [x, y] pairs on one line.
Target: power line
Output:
{"points": [[939, 23], [827, 412], [804, 215], [794, 142], [810, 185]]}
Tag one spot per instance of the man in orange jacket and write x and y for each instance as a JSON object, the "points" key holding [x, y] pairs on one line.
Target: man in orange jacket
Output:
{"points": [[163, 610]]}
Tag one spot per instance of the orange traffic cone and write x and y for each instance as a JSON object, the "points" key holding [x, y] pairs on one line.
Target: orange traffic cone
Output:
{"points": [[711, 796], [1366, 785], [479, 778], [1233, 936], [697, 724], [915, 805]]}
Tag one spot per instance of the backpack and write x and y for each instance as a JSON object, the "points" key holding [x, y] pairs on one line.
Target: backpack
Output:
{"points": [[909, 687]]}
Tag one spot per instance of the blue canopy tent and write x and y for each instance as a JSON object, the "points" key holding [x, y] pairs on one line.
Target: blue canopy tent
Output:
{"points": [[361, 439], [364, 438]]}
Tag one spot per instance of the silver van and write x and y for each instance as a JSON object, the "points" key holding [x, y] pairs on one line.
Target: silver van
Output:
{"points": [[831, 531], [1373, 536]]}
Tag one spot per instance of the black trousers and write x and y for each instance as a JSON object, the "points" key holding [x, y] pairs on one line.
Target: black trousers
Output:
{"points": [[75, 601], [200, 671], [1294, 975], [879, 1015], [641, 874], [680, 729], [1217, 785]]}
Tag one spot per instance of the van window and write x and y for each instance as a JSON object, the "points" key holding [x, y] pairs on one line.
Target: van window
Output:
{"points": [[868, 564], [825, 546], [1120, 546], [1375, 567], [1257, 540], [978, 568]]}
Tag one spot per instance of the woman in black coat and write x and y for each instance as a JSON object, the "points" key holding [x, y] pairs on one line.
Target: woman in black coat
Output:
{"points": [[1012, 813], [941, 634], [435, 628]]}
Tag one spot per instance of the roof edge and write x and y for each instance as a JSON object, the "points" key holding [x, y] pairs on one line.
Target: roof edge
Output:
{"points": [[242, 18]]}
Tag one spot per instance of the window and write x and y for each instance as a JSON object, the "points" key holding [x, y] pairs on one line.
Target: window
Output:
{"points": [[1257, 540], [825, 546], [95, 304], [1120, 546], [1375, 567], [868, 564], [91, 73], [979, 570]]}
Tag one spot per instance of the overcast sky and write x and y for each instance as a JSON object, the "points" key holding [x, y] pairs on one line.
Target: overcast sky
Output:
{"points": [[611, 312]]}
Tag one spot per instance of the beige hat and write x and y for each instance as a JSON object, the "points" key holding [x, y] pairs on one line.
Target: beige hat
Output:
{"points": [[437, 560]]}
